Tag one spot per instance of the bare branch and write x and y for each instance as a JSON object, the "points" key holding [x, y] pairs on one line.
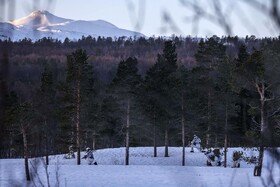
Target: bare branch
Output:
{"points": [[170, 22], [221, 18], [269, 99], [137, 20], [271, 11], [275, 112], [253, 107], [217, 16], [255, 122]]}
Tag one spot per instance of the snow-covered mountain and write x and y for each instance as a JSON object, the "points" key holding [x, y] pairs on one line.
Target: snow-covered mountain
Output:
{"points": [[41, 24]]}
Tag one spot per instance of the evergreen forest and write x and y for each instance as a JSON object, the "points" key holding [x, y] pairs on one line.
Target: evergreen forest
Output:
{"points": [[125, 92]]}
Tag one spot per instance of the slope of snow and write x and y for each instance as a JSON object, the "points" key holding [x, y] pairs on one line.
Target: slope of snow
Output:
{"points": [[104, 24], [144, 170], [41, 24], [39, 18]]}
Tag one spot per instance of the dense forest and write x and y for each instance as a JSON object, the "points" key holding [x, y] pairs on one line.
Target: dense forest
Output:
{"points": [[119, 92]]}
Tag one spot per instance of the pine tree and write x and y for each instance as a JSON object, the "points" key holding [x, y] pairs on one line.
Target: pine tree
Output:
{"points": [[226, 104], [110, 122], [243, 57], [256, 75], [90, 105], [79, 87], [10, 121], [46, 108], [125, 86], [209, 55], [151, 98], [4, 76], [160, 83], [21, 115], [183, 96]]}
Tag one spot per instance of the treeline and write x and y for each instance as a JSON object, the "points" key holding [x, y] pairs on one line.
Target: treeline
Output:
{"points": [[155, 92], [104, 52]]}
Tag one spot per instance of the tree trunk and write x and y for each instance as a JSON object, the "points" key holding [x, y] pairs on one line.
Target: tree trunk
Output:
{"points": [[183, 131], [46, 142], [11, 143], [216, 138], [155, 139], [25, 147], [208, 116], [244, 115], [226, 134], [86, 138], [78, 107], [260, 161], [166, 141], [94, 140], [261, 91], [127, 134], [47, 151]]}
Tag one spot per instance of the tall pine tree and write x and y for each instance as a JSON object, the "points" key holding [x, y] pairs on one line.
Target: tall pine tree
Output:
{"points": [[160, 83], [79, 88], [125, 86]]}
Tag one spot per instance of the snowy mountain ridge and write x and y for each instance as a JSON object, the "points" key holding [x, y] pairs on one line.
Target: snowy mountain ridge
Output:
{"points": [[42, 23]]}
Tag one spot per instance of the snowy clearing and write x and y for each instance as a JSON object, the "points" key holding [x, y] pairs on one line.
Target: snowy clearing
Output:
{"points": [[144, 170]]}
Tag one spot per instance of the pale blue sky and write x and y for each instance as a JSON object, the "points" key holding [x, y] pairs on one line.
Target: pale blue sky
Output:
{"points": [[244, 19]]}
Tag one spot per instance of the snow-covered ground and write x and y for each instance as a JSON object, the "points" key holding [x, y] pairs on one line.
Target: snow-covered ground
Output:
{"points": [[144, 170]]}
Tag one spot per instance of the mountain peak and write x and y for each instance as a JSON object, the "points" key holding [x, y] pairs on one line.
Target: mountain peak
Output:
{"points": [[38, 18], [45, 24], [40, 12]]}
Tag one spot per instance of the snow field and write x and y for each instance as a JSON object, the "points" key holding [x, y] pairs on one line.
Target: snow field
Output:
{"points": [[144, 170]]}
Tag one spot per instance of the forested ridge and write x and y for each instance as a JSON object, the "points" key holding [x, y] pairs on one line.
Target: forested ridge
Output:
{"points": [[121, 92]]}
